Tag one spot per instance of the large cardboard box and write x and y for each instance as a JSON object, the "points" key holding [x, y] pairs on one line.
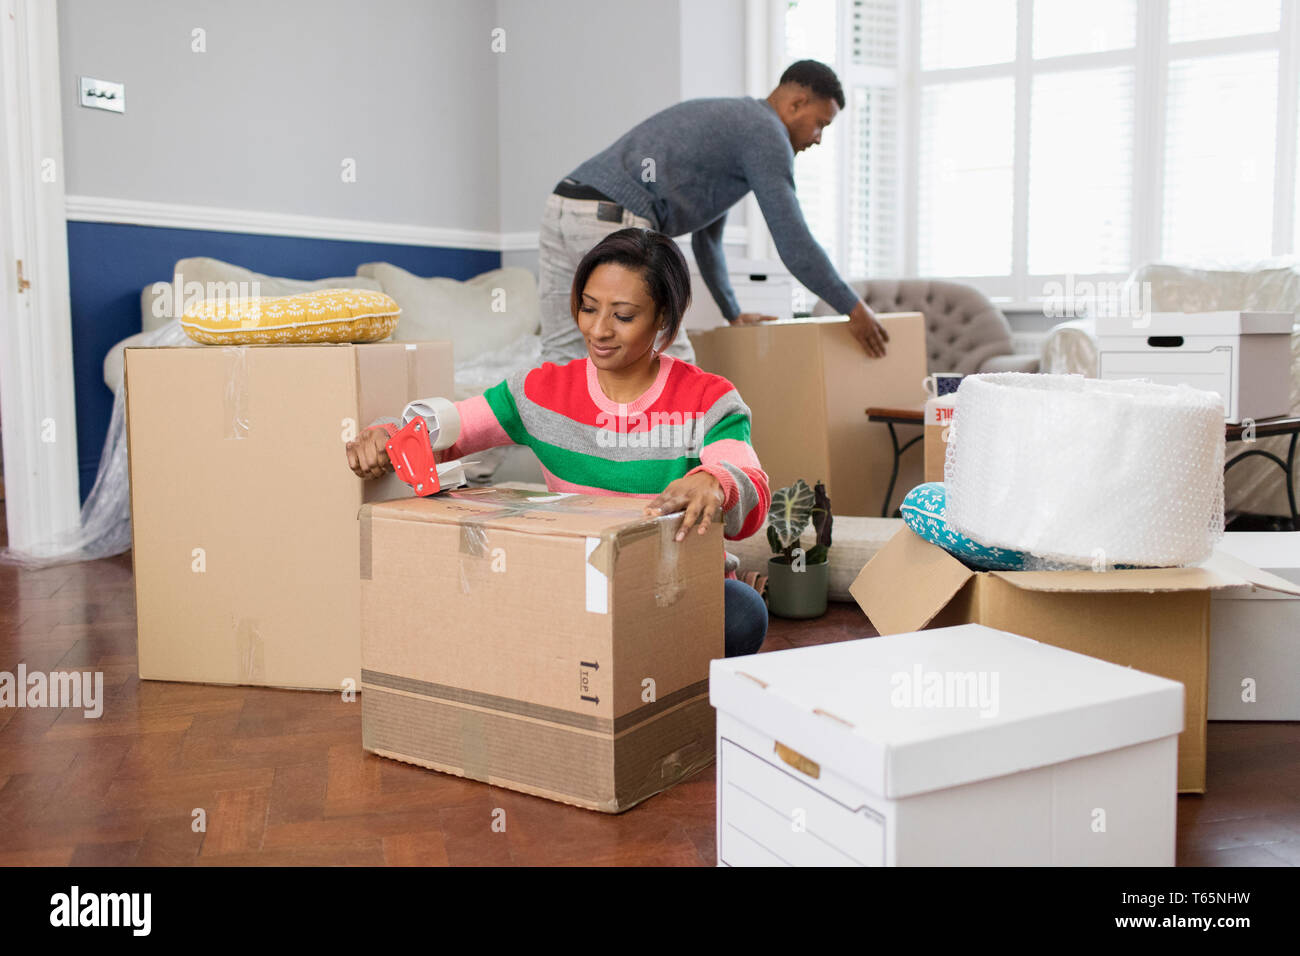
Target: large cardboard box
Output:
{"points": [[555, 644], [808, 384], [962, 746], [1255, 635], [243, 509], [1155, 620]]}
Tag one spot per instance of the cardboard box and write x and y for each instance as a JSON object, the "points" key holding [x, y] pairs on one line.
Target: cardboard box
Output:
{"points": [[808, 384], [1155, 620], [962, 746], [938, 417], [243, 509], [1255, 635], [555, 644], [1243, 356]]}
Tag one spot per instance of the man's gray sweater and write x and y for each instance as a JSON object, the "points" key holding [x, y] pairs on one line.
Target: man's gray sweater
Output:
{"points": [[684, 167]]}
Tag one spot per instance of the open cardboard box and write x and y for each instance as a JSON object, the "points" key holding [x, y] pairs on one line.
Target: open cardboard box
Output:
{"points": [[1155, 620]]}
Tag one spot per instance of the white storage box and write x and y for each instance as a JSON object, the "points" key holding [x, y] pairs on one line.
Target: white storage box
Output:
{"points": [[1255, 634], [760, 286], [1244, 356], [1010, 752]]}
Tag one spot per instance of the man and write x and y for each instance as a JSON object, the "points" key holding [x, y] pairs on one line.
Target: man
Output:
{"points": [[679, 172]]}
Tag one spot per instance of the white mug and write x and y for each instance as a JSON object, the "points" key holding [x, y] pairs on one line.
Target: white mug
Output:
{"points": [[941, 383]]}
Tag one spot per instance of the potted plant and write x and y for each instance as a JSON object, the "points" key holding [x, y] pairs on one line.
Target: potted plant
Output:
{"points": [[797, 581]]}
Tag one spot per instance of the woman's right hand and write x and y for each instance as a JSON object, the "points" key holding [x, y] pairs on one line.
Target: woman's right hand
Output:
{"points": [[367, 455]]}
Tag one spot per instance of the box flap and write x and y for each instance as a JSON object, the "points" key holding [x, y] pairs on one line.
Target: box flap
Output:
{"points": [[907, 583], [914, 713], [1149, 580], [1227, 564], [1277, 552]]}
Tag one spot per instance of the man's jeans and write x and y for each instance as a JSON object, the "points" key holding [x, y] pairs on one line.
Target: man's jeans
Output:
{"points": [[569, 230]]}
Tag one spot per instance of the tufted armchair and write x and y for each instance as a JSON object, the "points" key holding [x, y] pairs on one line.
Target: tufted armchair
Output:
{"points": [[964, 331]]}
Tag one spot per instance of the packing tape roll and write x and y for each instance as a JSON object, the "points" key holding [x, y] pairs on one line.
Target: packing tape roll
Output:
{"points": [[250, 652], [235, 417]]}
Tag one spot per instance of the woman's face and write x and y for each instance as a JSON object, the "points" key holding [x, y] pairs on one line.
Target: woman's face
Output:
{"points": [[617, 317]]}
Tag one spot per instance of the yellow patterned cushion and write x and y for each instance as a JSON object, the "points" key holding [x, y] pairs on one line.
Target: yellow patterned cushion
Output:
{"points": [[326, 315]]}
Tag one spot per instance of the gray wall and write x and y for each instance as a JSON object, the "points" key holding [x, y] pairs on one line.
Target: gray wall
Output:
{"points": [[445, 132], [286, 90], [576, 75]]}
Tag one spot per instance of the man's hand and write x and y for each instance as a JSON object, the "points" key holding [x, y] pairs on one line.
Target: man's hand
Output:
{"points": [[367, 455], [868, 331], [699, 495], [753, 318]]}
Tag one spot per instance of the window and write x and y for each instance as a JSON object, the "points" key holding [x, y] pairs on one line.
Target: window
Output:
{"points": [[1058, 138], [849, 186], [1012, 143]]}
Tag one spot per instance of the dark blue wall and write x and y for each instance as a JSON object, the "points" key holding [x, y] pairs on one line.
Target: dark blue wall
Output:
{"points": [[109, 264]]}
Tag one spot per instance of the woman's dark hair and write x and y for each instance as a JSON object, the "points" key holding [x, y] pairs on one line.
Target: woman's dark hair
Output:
{"points": [[817, 77], [662, 267]]}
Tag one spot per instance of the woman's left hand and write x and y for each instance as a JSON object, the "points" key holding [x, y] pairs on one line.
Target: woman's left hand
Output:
{"points": [[699, 495]]}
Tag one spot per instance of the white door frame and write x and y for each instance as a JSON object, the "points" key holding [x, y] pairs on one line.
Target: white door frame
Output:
{"points": [[37, 405]]}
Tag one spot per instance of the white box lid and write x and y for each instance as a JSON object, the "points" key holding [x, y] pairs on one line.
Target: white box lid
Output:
{"points": [[1277, 552], [1189, 324], [843, 705]]}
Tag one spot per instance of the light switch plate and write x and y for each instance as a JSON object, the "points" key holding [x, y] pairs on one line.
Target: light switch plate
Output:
{"points": [[103, 95]]}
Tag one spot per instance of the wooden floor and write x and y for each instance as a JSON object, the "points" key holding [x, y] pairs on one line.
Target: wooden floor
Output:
{"points": [[282, 778]]}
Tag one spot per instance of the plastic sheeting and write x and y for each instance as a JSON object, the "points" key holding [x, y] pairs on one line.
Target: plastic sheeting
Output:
{"points": [[1085, 472], [1271, 285], [105, 527]]}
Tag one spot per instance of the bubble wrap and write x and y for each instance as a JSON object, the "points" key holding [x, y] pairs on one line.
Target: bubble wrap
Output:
{"points": [[1086, 473]]}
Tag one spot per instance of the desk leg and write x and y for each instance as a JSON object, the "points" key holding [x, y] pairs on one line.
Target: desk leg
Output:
{"points": [[1290, 481], [893, 475]]}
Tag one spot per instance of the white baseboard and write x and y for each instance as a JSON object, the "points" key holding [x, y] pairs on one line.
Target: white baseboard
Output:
{"points": [[137, 212], [177, 216]]}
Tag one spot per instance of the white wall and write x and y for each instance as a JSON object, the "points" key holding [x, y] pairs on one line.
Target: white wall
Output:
{"points": [[286, 90]]}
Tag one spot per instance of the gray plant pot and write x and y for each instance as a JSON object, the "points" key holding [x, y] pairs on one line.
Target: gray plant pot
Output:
{"points": [[797, 594]]}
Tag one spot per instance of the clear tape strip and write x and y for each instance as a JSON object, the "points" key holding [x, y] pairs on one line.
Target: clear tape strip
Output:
{"points": [[367, 540], [412, 372], [473, 745], [250, 652], [236, 419]]}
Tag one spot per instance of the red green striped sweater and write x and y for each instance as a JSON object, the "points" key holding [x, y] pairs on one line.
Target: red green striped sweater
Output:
{"points": [[688, 421]]}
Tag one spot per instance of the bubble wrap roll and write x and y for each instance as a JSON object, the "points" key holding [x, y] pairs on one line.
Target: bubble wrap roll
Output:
{"points": [[1084, 472]]}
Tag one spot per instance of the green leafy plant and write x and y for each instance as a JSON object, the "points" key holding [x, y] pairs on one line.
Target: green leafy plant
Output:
{"points": [[791, 510]]}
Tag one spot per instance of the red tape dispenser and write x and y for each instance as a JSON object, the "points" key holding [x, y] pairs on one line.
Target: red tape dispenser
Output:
{"points": [[412, 456]]}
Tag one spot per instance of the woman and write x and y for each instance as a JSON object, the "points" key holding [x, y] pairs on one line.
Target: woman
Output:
{"points": [[628, 419]]}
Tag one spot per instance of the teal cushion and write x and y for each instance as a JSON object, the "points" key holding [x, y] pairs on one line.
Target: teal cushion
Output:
{"points": [[923, 511]]}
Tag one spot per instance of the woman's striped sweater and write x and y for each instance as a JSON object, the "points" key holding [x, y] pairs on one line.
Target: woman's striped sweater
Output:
{"points": [[687, 421]]}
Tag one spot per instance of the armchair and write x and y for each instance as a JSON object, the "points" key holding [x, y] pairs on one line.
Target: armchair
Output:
{"points": [[964, 331]]}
